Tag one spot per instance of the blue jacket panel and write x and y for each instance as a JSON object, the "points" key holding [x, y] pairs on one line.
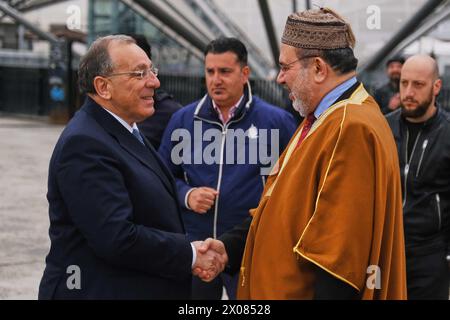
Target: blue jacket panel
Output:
{"points": [[234, 158]]}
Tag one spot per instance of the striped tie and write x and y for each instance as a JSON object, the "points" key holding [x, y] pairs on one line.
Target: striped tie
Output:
{"points": [[306, 127], [138, 136]]}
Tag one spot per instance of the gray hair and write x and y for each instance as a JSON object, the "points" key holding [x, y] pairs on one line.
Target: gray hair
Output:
{"points": [[97, 61], [341, 60]]}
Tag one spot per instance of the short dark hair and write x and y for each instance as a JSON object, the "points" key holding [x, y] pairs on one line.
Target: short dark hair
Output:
{"points": [[399, 59], [97, 61], [341, 60], [142, 42], [223, 44]]}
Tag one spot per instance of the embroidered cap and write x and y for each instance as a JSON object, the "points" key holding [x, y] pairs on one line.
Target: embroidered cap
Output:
{"points": [[318, 29]]}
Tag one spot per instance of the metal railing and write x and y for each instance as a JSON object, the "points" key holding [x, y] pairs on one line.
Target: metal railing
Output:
{"points": [[26, 91]]}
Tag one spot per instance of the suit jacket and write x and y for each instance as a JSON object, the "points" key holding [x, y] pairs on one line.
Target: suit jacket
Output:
{"points": [[114, 217]]}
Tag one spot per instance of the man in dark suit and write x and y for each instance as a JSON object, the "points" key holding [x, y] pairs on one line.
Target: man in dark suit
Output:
{"points": [[115, 225]]}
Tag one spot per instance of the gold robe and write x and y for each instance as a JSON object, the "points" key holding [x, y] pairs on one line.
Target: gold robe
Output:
{"points": [[335, 202]]}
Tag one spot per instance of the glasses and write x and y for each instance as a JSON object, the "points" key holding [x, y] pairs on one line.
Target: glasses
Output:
{"points": [[286, 67], [141, 74]]}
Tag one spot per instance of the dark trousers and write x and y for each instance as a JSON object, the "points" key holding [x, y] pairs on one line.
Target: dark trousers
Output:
{"points": [[427, 276], [213, 290]]}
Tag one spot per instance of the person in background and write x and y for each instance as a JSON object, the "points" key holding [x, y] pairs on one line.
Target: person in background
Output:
{"points": [[422, 132], [387, 96]]}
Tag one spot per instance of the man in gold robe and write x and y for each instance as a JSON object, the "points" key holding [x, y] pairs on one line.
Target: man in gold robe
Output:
{"points": [[329, 223]]}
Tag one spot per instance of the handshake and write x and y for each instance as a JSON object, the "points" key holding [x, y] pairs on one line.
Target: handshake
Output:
{"points": [[211, 259]]}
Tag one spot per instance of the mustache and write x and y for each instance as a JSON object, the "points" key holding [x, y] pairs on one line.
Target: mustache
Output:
{"points": [[409, 100]]}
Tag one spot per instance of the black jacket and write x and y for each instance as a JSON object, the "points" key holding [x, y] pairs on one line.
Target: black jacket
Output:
{"points": [[425, 182]]}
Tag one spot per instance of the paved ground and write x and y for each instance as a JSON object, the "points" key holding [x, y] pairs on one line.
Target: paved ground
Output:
{"points": [[25, 150]]}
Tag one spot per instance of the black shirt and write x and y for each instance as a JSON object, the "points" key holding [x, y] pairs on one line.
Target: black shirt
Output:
{"points": [[413, 130]]}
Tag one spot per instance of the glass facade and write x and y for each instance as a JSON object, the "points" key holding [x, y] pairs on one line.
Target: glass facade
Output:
{"points": [[113, 16]]}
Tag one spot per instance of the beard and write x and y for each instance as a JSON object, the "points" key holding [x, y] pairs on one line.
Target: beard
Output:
{"points": [[421, 108], [301, 94], [395, 77], [395, 82], [300, 105]]}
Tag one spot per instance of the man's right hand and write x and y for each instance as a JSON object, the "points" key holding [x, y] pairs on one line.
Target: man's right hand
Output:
{"points": [[214, 252], [201, 199]]}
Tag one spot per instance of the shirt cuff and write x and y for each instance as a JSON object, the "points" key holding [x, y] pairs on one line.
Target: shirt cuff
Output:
{"points": [[194, 255], [186, 198]]}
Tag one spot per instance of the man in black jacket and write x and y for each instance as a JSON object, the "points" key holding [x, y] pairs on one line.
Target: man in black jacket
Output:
{"points": [[422, 134]]}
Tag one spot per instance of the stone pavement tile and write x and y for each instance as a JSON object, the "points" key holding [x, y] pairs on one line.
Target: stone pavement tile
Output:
{"points": [[20, 281], [25, 150]]}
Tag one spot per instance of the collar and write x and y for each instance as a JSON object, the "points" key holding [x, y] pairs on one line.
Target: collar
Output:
{"points": [[123, 122], [231, 112], [205, 109], [394, 85], [118, 131], [333, 95], [428, 123]]}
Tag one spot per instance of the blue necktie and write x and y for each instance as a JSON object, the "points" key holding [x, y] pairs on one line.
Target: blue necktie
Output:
{"points": [[138, 136]]}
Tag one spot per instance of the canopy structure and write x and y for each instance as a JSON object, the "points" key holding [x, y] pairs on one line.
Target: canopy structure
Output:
{"points": [[383, 28]]}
